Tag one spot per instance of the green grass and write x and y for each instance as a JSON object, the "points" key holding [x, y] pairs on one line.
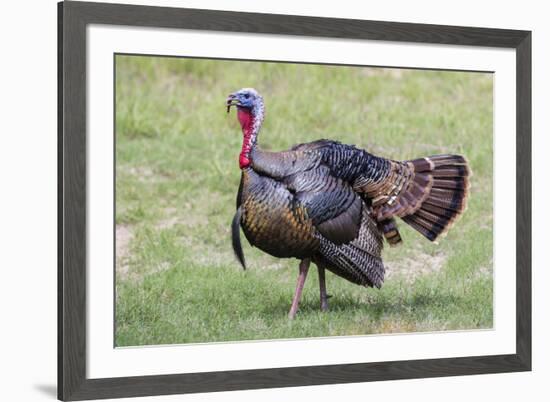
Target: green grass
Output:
{"points": [[177, 177]]}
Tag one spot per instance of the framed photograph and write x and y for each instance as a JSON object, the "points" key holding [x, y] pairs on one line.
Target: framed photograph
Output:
{"points": [[372, 178]]}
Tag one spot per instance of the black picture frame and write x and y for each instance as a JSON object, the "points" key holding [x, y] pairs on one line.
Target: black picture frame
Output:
{"points": [[73, 18]]}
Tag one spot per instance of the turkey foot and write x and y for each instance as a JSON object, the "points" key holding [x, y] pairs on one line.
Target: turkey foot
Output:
{"points": [[304, 266], [323, 288]]}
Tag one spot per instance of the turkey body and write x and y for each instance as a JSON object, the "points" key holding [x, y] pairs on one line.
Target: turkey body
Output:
{"points": [[316, 201], [273, 219]]}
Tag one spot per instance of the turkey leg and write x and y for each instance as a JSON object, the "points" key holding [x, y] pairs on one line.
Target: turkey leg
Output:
{"points": [[304, 266], [323, 288]]}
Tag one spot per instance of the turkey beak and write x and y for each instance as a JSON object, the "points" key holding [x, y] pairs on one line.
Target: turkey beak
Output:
{"points": [[232, 100]]}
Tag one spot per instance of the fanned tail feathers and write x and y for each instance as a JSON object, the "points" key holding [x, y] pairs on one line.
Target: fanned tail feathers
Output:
{"points": [[447, 195]]}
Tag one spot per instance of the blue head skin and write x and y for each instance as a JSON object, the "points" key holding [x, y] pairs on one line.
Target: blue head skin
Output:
{"points": [[247, 98]]}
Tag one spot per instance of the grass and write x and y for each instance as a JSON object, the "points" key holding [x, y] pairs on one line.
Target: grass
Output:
{"points": [[177, 177]]}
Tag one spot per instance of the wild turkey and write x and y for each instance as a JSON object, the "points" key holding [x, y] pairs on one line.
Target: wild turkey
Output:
{"points": [[332, 203]]}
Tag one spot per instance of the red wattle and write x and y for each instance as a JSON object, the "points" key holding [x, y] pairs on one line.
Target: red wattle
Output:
{"points": [[247, 121], [244, 161], [245, 118]]}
